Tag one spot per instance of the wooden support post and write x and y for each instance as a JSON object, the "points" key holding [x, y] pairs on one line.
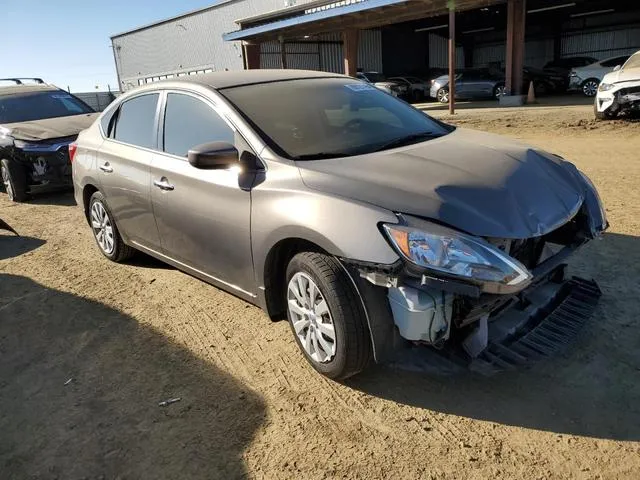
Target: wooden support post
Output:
{"points": [[350, 51], [452, 60], [283, 54], [516, 21], [251, 56]]}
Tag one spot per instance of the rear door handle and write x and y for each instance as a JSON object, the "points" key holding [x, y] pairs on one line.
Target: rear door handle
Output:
{"points": [[163, 184], [106, 168]]}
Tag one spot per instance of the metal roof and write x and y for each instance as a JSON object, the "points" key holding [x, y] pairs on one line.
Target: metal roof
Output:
{"points": [[217, 4], [305, 18]]}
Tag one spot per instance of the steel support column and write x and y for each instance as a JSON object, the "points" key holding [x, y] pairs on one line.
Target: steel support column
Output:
{"points": [[350, 52], [452, 60], [516, 20], [251, 56]]}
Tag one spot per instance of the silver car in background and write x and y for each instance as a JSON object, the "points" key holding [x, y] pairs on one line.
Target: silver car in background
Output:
{"points": [[378, 231], [470, 84]]}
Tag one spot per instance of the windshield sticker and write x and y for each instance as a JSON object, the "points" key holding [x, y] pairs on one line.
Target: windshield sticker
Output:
{"points": [[360, 87]]}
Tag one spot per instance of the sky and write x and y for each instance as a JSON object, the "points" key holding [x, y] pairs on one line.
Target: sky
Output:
{"points": [[67, 42]]}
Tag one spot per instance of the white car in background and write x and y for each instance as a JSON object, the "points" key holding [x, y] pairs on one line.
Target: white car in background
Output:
{"points": [[381, 82], [586, 79], [619, 91]]}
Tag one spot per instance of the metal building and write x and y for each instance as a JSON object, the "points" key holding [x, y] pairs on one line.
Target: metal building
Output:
{"points": [[390, 36]]}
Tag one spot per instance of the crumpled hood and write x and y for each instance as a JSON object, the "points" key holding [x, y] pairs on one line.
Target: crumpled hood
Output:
{"points": [[480, 183], [628, 75], [49, 128]]}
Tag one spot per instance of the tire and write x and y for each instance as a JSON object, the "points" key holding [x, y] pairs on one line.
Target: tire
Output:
{"points": [[498, 91], [443, 95], [342, 309], [14, 180], [589, 87], [99, 214]]}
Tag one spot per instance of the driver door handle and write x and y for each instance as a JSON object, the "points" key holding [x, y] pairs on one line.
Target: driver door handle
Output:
{"points": [[163, 184], [106, 168]]}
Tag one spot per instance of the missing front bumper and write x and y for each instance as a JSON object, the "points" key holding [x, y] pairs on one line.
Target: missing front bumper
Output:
{"points": [[546, 320]]}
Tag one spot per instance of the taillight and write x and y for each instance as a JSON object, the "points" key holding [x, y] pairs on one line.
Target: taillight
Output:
{"points": [[73, 147]]}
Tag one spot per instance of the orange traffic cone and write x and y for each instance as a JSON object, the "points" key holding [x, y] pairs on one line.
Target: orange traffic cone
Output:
{"points": [[531, 96]]}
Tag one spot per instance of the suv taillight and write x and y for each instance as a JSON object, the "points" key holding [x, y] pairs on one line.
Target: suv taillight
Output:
{"points": [[72, 151]]}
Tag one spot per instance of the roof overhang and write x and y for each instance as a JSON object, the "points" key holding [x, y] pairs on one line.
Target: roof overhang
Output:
{"points": [[329, 16]]}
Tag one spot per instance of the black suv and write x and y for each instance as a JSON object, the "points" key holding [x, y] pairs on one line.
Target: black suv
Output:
{"points": [[37, 124]]}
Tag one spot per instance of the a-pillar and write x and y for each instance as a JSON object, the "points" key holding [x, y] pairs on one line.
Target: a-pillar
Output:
{"points": [[350, 51], [251, 56], [516, 20]]}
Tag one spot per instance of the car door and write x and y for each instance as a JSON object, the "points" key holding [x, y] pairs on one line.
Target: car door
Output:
{"points": [[461, 85], [203, 216], [123, 162]]}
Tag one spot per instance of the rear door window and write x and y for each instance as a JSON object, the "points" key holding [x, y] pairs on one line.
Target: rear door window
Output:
{"points": [[189, 121], [615, 61], [136, 121]]}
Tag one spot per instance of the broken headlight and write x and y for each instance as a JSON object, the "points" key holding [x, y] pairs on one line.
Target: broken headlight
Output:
{"points": [[455, 254]]}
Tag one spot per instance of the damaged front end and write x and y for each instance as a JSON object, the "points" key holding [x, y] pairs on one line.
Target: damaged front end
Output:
{"points": [[489, 304]]}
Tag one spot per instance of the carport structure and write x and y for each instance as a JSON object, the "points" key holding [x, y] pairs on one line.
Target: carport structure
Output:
{"points": [[351, 16]]}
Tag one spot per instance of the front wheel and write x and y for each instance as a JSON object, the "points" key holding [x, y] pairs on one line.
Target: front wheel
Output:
{"points": [[326, 315], [14, 180], [443, 95], [498, 91], [105, 231]]}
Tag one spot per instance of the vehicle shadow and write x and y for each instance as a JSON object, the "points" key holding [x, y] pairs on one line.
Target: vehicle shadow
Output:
{"points": [[591, 390], [12, 246], [143, 260], [63, 199], [80, 386]]}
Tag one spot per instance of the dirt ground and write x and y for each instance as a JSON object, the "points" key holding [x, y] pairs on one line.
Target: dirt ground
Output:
{"points": [[88, 348]]}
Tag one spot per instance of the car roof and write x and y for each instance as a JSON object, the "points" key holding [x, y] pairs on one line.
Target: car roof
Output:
{"points": [[7, 90], [219, 80]]}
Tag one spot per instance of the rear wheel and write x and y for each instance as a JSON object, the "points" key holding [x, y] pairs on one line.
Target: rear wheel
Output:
{"points": [[590, 87], [14, 179], [443, 95], [326, 316], [105, 231]]}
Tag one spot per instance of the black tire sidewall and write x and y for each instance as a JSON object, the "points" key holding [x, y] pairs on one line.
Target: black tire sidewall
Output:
{"points": [[18, 184], [335, 367], [117, 240]]}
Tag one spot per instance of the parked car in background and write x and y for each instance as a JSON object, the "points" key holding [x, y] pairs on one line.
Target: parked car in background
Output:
{"points": [[469, 84], [619, 91], [376, 229], [378, 80], [418, 89], [586, 79], [562, 67], [37, 124], [544, 82]]}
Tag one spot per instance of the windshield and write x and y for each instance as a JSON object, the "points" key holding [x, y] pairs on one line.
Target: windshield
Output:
{"points": [[633, 62], [25, 107], [330, 117]]}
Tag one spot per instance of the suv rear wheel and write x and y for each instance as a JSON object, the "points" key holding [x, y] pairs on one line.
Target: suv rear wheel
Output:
{"points": [[590, 87], [14, 180], [326, 316]]}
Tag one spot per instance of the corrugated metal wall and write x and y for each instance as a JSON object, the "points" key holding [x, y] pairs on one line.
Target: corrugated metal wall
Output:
{"points": [[602, 44], [97, 100], [439, 52], [190, 43], [324, 54], [536, 53]]}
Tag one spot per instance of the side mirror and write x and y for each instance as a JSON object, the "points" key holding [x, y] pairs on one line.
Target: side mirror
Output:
{"points": [[617, 67], [213, 156]]}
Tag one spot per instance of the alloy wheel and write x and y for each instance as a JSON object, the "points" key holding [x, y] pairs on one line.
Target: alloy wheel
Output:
{"points": [[311, 318], [443, 95], [590, 88], [6, 180], [499, 92], [102, 228]]}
